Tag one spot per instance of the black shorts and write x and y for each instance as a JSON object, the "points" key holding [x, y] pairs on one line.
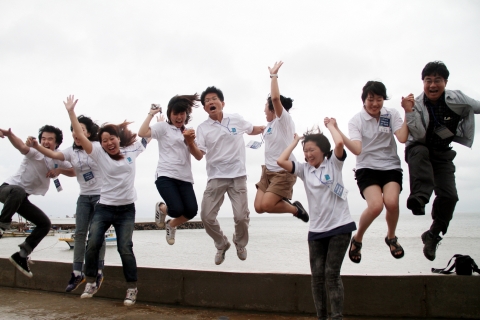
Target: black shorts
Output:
{"points": [[369, 177]]}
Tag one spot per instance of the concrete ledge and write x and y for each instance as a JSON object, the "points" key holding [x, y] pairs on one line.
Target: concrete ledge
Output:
{"points": [[429, 296]]}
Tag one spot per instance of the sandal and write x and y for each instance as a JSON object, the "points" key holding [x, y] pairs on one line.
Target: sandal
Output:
{"points": [[393, 242], [355, 253]]}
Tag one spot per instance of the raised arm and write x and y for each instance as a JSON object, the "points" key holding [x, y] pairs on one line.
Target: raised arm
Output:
{"points": [[274, 90], [15, 141], [189, 136], [283, 160], [407, 104], [145, 131], [84, 142], [33, 143], [331, 125], [355, 146]]}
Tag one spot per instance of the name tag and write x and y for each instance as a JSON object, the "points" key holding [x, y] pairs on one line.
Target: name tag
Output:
{"points": [[339, 191], [384, 123], [89, 177], [254, 144], [443, 132]]}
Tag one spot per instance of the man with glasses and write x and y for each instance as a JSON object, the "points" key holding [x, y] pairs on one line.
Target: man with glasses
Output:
{"points": [[438, 118]]}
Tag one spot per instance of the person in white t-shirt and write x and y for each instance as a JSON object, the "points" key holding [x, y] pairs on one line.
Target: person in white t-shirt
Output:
{"points": [[116, 158], [174, 179], [378, 171], [90, 180], [331, 224], [220, 138], [32, 178], [275, 187]]}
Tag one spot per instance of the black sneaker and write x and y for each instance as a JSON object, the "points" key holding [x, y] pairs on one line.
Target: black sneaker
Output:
{"points": [[418, 208], [430, 244], [301, 213], [21, 264], [74, 282]]}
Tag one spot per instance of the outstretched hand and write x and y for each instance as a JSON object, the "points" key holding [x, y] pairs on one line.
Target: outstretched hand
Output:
{"points": [[32, 142], [408, 102], [275, 68], [5, 133], [160, 118], [70, 104]]}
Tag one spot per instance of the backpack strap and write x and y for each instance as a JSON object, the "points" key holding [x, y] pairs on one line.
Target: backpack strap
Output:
{"points": [[449, 270]]}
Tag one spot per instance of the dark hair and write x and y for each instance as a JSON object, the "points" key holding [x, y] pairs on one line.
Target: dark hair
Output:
{"points": [[91, 127], [48, 128], [127, 138], [181, 104], [286, 103], [315, 135], [374, 87], [435, 68], [211, 89]]}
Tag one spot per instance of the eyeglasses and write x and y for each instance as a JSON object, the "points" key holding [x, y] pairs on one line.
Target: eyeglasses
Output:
{"points": [[436, 81]]}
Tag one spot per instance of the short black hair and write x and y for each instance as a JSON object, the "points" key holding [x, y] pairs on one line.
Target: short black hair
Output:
{"points": [[435, 68], [51, 129], [211, 89], [286, 103], [316, 136], [91, 127], [374, 87]]}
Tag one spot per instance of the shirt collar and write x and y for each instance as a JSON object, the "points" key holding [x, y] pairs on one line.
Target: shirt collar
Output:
{"points": [[321, 166], [367, 117], [211, 121]]}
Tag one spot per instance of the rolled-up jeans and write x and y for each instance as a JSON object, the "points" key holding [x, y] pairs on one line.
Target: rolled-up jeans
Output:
{"points": [[83, 219], [123, 220]]}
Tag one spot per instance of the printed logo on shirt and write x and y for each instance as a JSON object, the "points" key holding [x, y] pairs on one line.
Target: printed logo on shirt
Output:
{"points": [[234, 131], [129, 159], [55, 166], [269, 131]]}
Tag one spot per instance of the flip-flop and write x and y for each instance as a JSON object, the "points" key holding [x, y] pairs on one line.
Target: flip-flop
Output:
{"points": [[355, 252], [398, 248]]}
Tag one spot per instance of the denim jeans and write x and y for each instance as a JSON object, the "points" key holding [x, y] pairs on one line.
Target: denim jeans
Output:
{"points": [[326, 258], [123, 220], [15, 199], [83, 219], [178, 196]]}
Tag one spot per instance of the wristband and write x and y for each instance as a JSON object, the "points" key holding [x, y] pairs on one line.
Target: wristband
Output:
{"points": [[274, 75], [150, 114]]}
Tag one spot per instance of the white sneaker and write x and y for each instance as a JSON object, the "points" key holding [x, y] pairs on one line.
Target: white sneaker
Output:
{"points": [[241, 251], [131, 297], [170, 233], [159, 215], [220, 256], [90, 290]]}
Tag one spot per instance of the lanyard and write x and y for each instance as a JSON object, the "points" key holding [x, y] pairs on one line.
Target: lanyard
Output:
{"points": [[226, 127], [46, 163], [320, 178], [80, 161]]}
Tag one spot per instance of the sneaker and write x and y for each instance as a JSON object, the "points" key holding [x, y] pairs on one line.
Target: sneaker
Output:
{"points": [[74, 282], [21, 264], [431, 243], [170, 233], [99, 280], [220, 256], [131, 297], [418, 208], [159, 215], [90, 290], [241, 251], [301, 213]]}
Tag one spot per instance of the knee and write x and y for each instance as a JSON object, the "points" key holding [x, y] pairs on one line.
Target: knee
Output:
{"points": [[376, 208], [258, 207], [17, 193], [391, 205], [418, 152], [125, 248]]}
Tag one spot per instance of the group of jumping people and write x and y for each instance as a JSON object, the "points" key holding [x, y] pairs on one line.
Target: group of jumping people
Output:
{"points": [[104, 161]]}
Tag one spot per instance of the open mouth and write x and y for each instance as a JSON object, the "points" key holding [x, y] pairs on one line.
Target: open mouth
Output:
{"points": [[212, 108]]}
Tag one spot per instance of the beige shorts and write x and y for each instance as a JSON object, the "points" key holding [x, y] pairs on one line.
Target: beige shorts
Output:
{"points": [[281, 183]]}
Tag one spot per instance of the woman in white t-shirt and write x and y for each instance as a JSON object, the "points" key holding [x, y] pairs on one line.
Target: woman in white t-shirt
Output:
{"points": [[174, 179], [331, 225], [89, 178], [378, 171], [116, 158]]}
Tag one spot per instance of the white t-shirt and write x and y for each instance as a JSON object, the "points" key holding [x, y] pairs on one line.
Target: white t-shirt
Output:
{"points": [[379, 150], [118, 186], [224, 146], [327, 210], [32, 173], [278, 135], [89, 176], [174, 159]]}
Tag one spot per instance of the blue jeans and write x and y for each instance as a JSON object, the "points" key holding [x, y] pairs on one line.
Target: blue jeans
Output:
{"points": [[123, 220], [83, 218], [178, 196]]}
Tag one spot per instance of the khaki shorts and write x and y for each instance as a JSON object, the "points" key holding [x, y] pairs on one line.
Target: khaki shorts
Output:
{"points": [[281, 183]]}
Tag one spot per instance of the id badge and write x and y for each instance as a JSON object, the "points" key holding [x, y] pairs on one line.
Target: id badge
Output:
{"points": [[89, 177], [443, 132], [57, 184], [254, 144], [339, 191], [384, 124]]}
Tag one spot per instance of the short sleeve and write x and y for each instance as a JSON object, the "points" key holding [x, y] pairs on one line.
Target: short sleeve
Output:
{"points": [[67, 154], [354, 129], [157, 130], [201, 139], [299, 169], [397, 120], [96, 151], [244, 125]]}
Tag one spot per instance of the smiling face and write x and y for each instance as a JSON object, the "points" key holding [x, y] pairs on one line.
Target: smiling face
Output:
{"points": [[434, 87], [75, 137], [213, 106], [270, 115], [110, 143], [313, 155], [178, 118], [373, 104], [48, 140]]}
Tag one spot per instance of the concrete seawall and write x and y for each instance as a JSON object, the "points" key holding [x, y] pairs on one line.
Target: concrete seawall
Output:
{"points": [[429, 296]]}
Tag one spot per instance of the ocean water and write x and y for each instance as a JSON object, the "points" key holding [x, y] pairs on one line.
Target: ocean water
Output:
{"points": [[278, 244]]}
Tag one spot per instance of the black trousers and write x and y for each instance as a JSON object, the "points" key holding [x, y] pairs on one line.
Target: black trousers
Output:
{"points": [[433, 170]]}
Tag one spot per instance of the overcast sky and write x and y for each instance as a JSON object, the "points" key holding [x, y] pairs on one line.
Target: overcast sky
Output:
{"points": [[118, 57]]}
